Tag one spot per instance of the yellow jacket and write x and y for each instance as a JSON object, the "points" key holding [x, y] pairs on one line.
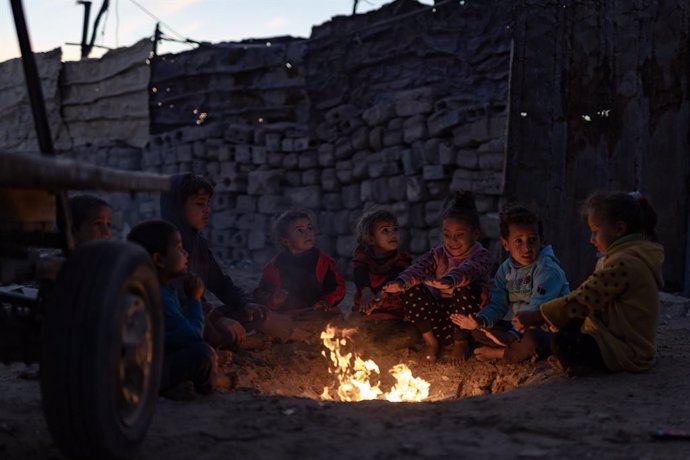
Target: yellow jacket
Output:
{"points": [[619, 303]]}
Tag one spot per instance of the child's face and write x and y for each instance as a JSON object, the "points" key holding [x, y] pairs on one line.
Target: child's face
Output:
{"points": [[96, 227], [384, 236], [196, 210], [174, 261], [458, 236], [603, 233], [299, 237], [523, 243]]}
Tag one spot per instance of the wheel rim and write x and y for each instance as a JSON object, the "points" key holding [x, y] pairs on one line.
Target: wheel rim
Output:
{"points": [[135, 359]]}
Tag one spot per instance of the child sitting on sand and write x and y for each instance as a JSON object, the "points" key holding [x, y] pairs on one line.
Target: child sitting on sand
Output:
{"points": [[451, 278], [530, 276], [375, 262], [301, 276], [610, 321], [187, 357]]}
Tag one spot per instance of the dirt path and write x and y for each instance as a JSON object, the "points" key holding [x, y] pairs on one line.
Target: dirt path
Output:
{"points": [[503, 412]]}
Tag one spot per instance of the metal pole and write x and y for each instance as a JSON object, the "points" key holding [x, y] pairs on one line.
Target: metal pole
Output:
{"points": [[33, 82], [85, 29], [38, 109]]}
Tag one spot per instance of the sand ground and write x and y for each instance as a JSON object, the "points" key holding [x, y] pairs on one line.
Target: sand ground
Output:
{"points": [[478, 410]]}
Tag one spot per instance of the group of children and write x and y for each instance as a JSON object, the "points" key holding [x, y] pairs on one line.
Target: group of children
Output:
{"points": [[446, 296]]}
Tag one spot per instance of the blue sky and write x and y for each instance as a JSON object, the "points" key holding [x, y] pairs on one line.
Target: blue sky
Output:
{"points": [[52, 23]]}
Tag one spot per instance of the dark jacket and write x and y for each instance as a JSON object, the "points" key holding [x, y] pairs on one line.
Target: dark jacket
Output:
{"points": [[308, 278], [201, 261]]}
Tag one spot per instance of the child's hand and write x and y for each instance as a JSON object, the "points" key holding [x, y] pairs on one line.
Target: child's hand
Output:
{"points": [[322, 305], [279, 297], [193, 287], [255, 311], [439, 284], [393, 287], [365, 299], [464, 321], [526, 319], [231, 330]]}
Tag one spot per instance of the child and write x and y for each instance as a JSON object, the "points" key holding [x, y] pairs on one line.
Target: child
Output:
{"points": [[187, 356], [375, 262], [301, 276], [610, 321], [92, 219], [530, 276], [187, 206], [451, 278]]}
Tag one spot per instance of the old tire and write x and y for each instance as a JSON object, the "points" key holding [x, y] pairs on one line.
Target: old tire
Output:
{"points": [[102, 351]]}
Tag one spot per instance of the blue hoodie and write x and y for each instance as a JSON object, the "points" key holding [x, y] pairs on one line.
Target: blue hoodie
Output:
{"points": [[182, 327], [517, 288], [201, 261]]}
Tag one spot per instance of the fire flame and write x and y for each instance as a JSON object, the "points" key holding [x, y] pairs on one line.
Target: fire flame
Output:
{"points": [[355, 375]]}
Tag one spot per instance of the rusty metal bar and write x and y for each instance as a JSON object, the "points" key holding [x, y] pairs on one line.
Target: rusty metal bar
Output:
{"points": [[33, 82], [32, 171]]}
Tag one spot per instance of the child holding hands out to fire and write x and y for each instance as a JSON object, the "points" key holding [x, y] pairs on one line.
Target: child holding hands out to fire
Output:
{"points": [[451, 278], [530, 276], [610, 321], [376, 261]]}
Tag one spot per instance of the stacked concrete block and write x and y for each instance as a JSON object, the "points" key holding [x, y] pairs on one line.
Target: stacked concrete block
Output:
{"points": [[336, 132]]}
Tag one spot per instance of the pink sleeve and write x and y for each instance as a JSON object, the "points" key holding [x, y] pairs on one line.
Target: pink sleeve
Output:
{"points": [[475, 268], [423, 268]]}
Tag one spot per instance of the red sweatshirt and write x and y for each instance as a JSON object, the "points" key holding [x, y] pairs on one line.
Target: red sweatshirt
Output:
{"points": [[308, 278]]}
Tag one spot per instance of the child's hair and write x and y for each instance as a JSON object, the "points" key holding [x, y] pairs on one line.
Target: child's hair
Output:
{"points": [[460, 206], [366, 224], [281, 224], [192, 184], [153, 235], [519, 215], [81, 207], [633, 209]]}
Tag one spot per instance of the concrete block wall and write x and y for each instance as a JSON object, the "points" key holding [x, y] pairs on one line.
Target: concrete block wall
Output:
{"points": [[370, 112]]}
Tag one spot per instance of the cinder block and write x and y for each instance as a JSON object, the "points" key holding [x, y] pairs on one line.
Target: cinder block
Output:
{"points": [[434, 172], [264, 182], [329, 180], [307, 160], [414, 102], [326, 155], [304, 197], [414, 129], [343, 171], [311, 177], [379, 114]]}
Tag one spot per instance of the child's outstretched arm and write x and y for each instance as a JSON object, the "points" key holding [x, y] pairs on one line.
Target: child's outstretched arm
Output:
{"points": [[602, 287], [423, 269], [498, 304], [474, 268]]}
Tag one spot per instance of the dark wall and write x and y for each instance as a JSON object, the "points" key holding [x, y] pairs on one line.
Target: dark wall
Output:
{"points": [[599, 100]]}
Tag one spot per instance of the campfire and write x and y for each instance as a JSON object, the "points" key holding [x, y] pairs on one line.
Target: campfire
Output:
{"points": [[359, 379]]}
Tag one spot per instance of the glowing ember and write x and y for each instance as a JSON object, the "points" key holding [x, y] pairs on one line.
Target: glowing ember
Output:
{"points": [[355, 375]]}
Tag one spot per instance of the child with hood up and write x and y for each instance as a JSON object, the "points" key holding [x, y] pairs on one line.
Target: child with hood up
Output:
{"points": [[186, 205]]}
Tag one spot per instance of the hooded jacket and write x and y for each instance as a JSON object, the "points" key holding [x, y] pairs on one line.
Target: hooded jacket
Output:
{"points": [[524, 288], [201, 261], [619, 304]]}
